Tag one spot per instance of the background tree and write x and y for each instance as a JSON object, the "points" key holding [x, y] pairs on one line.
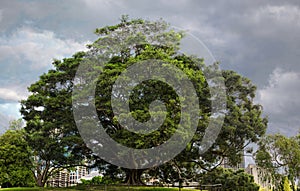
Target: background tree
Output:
{"points": [[15, 160], [16, 124], [51, 131], [55, 138], [230, 180], [280, 156]]}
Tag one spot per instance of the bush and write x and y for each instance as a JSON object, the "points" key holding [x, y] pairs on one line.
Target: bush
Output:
{"points": [[86, 182], [230, 180], [97, 180]]}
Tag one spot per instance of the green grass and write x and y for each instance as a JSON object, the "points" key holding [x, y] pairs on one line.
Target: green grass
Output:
{"points": [[97, 188], [21, 189]]}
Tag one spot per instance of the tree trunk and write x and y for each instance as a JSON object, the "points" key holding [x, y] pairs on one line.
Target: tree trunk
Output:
{"points": [[40, 181], [41, 176], [133, 177]]}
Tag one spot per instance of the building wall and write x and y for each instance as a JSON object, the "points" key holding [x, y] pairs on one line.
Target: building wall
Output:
{"points": [[259, 176], [241, 165], [67, 178]]}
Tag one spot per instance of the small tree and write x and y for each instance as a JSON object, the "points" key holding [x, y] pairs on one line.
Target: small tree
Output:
{"points": [[16, 124], [230, 180], [51, 130], [280, 156], [15, 160]]}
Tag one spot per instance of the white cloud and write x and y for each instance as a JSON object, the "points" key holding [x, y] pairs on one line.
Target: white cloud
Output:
{"points": [[282, 94], [9, 94], [25, 55], [10, 110], [37, 47], [280, 100], [207, 33]]}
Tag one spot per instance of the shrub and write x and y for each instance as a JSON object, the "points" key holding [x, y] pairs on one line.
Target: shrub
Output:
{"points": [[230, 180]]}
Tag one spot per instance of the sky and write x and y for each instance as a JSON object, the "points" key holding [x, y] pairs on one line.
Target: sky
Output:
{"points": [[258, 39]]}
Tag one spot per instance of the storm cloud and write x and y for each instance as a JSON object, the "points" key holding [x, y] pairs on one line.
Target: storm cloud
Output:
{"points": [[258, 39]]}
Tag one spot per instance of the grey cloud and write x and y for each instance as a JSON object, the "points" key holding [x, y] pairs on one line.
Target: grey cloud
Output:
{"points": [[251, 37], [280, 100], [27, 53], [3, 123]]}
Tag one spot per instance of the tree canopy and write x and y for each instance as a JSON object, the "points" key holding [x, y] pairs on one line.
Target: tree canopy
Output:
{"points": [[280, 157], [15, 160], [52, 130], [230, 180]]}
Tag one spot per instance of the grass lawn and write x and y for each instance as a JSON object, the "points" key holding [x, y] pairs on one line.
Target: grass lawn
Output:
{"points": [[17, 189], [94, 188]]}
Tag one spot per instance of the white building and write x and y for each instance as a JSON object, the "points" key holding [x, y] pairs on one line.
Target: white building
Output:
{"points": [[67, 178], [225, 164], [259, 176]]}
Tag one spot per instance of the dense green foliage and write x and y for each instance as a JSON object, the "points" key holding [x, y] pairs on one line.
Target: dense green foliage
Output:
{"points": [[15, 160], [98, 180], [280, 157], [50, 127], [243, 123], [55, 139], [230, 180]]}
